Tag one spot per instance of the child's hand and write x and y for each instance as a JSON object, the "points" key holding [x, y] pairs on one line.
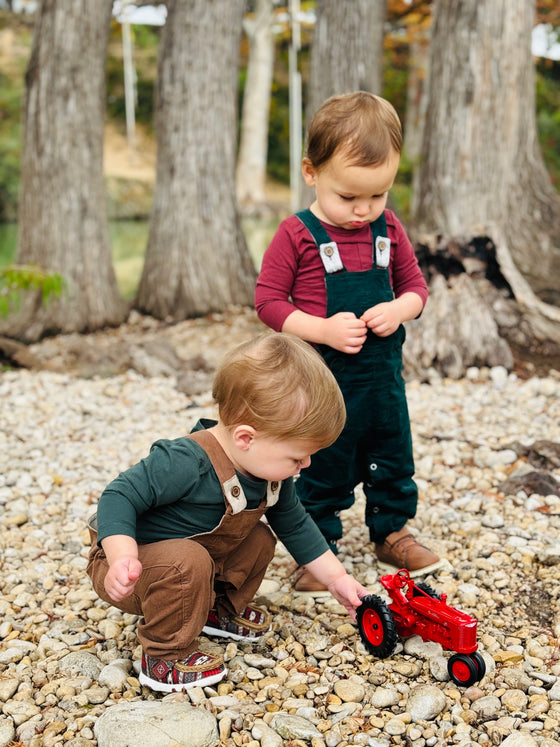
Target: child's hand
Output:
{"points": [[122, 576], [348, 592], [345, 332], [383, 319]]}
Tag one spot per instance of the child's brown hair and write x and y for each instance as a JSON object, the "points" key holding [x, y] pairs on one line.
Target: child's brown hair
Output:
{"points": [[365, 127], [280, 385]]}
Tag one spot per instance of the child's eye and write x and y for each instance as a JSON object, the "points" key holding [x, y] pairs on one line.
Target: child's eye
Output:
{"points": [[346, 198]]}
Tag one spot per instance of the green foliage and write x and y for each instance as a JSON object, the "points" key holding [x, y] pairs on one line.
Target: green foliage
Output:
{"points": [[12, 96], [15, 279], [279, 135], [548, 116], [11, 92], [8, 241], [145, 46], [400, 195], [146, 37], [395, 79]]}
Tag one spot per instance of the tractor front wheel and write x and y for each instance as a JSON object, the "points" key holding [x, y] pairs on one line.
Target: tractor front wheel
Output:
{"points": [[478, 659], [377, 626], [463, 670]]}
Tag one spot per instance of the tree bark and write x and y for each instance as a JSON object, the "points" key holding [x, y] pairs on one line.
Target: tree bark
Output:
{"points": [[457, 330], [197, 259], [346, 54], [346, 50], [63, 225], [253, 144], [415, 98], [482, 170]]}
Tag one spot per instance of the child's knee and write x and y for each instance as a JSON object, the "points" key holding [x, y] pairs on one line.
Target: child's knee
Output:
{"points": [[264, 538], [184, 557]]}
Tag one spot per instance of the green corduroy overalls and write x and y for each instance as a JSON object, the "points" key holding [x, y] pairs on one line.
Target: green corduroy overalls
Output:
{"points": [[375, 447]]}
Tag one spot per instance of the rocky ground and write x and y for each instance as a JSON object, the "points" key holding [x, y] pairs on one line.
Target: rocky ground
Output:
{"points": [[488, 464]]}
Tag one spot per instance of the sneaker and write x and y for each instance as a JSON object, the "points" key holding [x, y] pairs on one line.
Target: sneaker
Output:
{"points": [[306, 583], [402, 550], [197, 670], [248, 626]]}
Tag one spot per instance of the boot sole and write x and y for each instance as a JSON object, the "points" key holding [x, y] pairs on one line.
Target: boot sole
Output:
{"points": [[315, 594], [219, 633], [387, 568]]}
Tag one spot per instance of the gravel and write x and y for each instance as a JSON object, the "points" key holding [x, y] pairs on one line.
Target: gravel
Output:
{"points": [[69, 663]]}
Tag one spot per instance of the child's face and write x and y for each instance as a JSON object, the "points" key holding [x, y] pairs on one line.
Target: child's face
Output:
{"points": [[270, 458], [349, 196]]}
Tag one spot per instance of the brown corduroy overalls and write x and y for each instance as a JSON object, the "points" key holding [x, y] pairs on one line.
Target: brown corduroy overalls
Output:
{"points": [[182, 579]]}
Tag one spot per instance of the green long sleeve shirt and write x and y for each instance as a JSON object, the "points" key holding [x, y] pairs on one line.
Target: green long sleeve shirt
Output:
{"points": [[174, 492]]}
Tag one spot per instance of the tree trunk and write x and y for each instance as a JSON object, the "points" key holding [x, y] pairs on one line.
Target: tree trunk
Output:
{"points": [[346, 50], [253, 147], [415, 94], [197, 259], [456, 331], [346, 54], [482, 170], [63, 224]]}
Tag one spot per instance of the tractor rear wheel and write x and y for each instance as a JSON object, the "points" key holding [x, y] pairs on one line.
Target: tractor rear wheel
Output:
{"points": [[377, 626], [427, 589]]}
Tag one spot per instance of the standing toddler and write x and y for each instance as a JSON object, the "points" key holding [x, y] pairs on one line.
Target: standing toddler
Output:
{"points": [[343, 276]]}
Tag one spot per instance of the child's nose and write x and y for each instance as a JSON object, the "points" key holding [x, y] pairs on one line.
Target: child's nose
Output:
{"points": [[361, 208]]}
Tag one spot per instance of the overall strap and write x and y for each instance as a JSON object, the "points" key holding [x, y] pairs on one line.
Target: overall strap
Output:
{"points": [[328, 249], [381, 242], [231, 487], [314, 226]]}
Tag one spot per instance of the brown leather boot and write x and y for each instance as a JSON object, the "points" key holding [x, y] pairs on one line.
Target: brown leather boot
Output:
{"points": [[305, 583], [402, 550]]}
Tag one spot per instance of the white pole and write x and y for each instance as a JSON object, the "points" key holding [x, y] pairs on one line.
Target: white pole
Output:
{"points": [[295, 108], [129, 83]]}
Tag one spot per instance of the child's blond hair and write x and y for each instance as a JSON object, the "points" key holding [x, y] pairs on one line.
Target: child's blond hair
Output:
{"points": [[280, 385], [364, 127]]}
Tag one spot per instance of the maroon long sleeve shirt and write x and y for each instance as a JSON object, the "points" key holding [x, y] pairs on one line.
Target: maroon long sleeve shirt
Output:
{"points": [[292, 274]]}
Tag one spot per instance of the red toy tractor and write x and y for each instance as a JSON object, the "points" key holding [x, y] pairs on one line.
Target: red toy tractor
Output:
{"points": [[416, 609]]}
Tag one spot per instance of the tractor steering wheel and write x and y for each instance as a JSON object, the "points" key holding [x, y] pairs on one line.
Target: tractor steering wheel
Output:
{"points": [[402, 578]]}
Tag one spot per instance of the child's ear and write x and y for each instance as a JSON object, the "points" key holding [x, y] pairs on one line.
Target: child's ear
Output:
{"points": [[243, 436], [308, 172]]}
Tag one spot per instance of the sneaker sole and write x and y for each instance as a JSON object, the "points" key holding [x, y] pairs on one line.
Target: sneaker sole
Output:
{"points": [[219, 633], [166, 687], [413, 574]]}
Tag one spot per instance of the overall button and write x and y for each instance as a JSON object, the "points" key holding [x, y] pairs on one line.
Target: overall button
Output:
{"points": [[236, 491]]}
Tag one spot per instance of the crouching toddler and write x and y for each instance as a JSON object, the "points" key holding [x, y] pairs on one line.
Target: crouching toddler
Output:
{"points": [[179, 540]]}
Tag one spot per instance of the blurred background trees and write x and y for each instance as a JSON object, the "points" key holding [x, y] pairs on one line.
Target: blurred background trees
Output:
{"points": [[187, 105], [62, 210], [197, 259]]}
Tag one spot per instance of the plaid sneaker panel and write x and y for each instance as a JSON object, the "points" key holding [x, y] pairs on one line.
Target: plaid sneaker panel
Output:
{"points": [[247, 626], [196, 670]]}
